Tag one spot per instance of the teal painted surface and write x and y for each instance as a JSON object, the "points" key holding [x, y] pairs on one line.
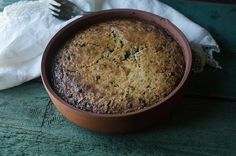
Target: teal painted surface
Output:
{"points": [[4, 3], [219, 19], [29, 125]]}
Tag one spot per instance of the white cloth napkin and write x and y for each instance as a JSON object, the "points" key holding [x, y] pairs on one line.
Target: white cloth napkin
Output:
{"points": [[27, 26]]}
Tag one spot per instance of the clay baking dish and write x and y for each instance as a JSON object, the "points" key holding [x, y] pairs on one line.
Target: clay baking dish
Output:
{"points": [[114, 123]]}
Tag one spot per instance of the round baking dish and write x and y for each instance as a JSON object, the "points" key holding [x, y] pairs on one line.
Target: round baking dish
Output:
{"points": [[114, 123]]}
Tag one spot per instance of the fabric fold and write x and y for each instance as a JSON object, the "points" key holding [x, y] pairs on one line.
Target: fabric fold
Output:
{"points": [[27, 26]]}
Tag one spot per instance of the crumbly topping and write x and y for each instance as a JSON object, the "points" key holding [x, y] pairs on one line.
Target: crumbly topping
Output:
{"points": [[117, 66]]}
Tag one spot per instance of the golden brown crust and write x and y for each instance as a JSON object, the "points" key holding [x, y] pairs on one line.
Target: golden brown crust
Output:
{"points": [[117, 66]]}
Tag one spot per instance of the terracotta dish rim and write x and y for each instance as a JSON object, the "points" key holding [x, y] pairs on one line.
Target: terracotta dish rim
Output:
{"points": [[46, 79]]}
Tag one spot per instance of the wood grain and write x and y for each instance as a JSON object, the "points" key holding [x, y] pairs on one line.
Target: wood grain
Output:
{"points": [[30, 125], [218, 1], [196, 127]]}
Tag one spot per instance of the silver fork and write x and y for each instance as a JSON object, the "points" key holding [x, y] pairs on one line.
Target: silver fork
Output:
{"points": [[64, 9]]}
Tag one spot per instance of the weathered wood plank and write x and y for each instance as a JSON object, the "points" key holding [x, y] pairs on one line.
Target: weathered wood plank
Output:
{"points": [[29, 125], [197, 127], [218, 19], [216, 82]]}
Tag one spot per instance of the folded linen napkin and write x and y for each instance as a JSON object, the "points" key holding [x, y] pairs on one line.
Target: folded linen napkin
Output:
{"points": [[27, 26]]}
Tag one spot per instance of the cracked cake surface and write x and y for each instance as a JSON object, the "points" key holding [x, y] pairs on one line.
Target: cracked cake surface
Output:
{"points": [[117, 66]]}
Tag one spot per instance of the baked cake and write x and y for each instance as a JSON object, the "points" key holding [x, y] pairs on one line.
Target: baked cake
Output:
{"points": [[117, 66]]}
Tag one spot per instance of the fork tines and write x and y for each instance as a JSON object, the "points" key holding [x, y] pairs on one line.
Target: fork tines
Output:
{"points": [[54, 6]]}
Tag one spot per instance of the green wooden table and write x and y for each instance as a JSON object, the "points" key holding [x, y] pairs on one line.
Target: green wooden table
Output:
{"points": [[203, 124]]}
